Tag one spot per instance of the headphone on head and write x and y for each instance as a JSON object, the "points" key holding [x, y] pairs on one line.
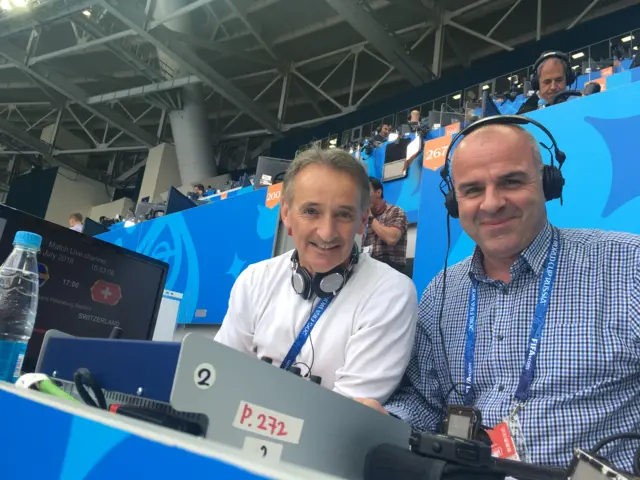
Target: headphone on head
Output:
{"points": [[321, 284], [569, 74], [552, 179]]}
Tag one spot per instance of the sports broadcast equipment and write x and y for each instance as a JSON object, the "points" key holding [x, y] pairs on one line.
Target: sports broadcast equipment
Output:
{"points": [[321, 285], [205, 388], [552, 179]]}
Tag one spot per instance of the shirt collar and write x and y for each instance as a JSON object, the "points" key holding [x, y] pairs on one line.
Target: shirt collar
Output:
{"points": [[534, 256]]}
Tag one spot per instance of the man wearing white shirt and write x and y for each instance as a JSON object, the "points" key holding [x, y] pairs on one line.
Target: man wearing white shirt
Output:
{"points": [[323, 307], [75, 222]]}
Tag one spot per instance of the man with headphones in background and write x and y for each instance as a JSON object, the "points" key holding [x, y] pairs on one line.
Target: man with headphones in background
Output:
{"points": [[540, 328], [323, 308], [551, 75]]}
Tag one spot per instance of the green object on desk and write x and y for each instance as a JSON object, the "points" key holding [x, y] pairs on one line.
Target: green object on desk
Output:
{"points": [[50, 388]]}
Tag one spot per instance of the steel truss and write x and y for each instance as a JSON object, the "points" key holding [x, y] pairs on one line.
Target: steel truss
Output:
{"points": [[108, 124]]}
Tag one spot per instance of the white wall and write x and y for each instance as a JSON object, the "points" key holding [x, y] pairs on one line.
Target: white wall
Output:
{"points": [[160, 172], [73, 193], [111, 209]]}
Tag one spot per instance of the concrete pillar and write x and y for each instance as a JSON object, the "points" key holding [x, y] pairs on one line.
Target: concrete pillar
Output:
{"points": [[190, 129], [160, 172]]}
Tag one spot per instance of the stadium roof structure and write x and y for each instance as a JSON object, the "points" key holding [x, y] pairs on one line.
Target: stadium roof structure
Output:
{"points": [[109, 71]]}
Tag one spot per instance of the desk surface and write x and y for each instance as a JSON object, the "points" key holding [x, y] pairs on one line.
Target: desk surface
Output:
{"points": [[49, 438]]}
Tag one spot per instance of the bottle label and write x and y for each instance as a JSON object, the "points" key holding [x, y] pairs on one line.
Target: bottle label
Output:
{"points": [[11, 358]]}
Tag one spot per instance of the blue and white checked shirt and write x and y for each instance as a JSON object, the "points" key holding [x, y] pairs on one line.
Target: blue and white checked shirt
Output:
{"points": [[587, 377]]}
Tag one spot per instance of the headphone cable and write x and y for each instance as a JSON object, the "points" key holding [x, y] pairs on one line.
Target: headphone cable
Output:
{"points": [[454, 385]]}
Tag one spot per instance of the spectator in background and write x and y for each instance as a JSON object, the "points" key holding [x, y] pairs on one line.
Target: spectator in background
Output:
{"points": [[414, 117], [552, 74], [382, 134], [386, 237], [75, 222], [198, 189]]}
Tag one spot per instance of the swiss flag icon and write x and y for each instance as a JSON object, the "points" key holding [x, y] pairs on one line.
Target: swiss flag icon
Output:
{"points": [[106, 292]]}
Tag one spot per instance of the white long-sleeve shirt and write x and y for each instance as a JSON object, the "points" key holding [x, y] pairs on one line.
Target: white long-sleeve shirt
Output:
{"points": [[360, 346]]}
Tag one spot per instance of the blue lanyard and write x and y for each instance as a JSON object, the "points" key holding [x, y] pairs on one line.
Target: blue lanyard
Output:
{"points": [[539, 318], [295, 349]]}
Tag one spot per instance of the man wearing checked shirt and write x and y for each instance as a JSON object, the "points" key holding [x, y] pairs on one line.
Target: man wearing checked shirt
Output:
{"points": [[586, 380]]}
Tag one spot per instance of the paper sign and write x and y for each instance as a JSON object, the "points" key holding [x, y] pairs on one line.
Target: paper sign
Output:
{"points": [[606, 72], [452, 129], [273, 195], [224, 195], [435, 152], [268, 423], [263, 449]]}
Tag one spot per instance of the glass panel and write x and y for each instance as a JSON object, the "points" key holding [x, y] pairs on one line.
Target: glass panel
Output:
{"points": [[455, 100]]}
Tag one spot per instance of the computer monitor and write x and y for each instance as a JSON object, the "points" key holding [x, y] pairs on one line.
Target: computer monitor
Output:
{"points": [[489, 107], [177, 202], [93, 228], [87, 286], [269, 170], [444, 118], [395, 156]]}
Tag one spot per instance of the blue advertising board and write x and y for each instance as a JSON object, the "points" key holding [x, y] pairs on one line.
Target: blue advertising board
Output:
{"points": [[207, 247]]}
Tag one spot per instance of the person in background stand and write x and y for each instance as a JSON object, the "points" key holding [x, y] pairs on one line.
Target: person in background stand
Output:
{"points": [[386, 237], [552, 74], [198, 189], [323, 307], [565, 300], [75, 222], [414, 116], [382, 134]]}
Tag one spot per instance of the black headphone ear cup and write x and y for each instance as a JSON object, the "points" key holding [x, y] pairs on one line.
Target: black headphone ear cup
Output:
{"points": [[534, 81], [552, 182], [451, 204], [570, 75]]}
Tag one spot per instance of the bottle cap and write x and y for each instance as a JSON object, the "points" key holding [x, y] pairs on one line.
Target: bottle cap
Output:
{"points": [[28, 239]]}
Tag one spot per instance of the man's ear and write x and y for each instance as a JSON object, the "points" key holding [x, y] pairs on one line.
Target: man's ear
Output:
{"points": [[363, 223], [284, 214]]}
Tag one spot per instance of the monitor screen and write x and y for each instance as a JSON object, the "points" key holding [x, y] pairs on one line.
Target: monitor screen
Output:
{"points": [[87, 286], [269, 171], [177, 202], [489, 107]]}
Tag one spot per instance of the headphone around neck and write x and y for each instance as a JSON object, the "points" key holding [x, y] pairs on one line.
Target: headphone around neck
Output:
{"points": [[321, 284], [569, 74], [552, 179]]}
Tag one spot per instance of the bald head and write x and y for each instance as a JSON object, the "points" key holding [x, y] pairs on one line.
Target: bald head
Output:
{"points": [[509, 136]]}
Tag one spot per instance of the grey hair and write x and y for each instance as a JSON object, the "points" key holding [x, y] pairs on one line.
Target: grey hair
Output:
{"points": [[554, 59], [335, 158]]}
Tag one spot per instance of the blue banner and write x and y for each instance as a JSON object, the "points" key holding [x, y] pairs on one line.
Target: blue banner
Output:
{"points": [[598, 134], [73, 447], [207, 247]]}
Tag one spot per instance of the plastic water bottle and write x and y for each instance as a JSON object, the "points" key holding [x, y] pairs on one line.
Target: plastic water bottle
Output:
{"points": [[18, 303]]}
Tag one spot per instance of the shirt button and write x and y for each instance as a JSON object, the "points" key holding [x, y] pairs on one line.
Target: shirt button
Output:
{"points": [[500, 388], [499, 338]]}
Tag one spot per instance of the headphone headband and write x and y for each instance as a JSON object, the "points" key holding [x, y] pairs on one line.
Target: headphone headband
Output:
{"points": [[552, 179], [321, 284]]}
